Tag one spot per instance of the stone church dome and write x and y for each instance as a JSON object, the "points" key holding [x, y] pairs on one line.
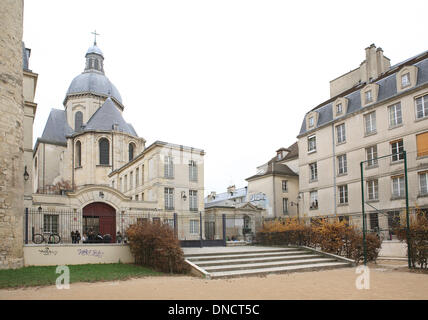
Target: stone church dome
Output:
{"points": [[93, 82], [93, 79]]}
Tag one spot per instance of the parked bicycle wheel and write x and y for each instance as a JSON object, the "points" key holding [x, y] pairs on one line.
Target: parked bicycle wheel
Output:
{"points": [[54, 238], [38, 238]]}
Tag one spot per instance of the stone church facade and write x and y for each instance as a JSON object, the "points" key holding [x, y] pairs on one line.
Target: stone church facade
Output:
{"points": [[91, 163]]}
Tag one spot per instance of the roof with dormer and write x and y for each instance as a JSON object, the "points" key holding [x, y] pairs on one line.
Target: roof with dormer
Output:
{"points": [[387, 89]]}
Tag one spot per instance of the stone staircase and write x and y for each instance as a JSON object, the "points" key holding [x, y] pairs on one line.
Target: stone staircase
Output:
{"points": [[244, 261]]}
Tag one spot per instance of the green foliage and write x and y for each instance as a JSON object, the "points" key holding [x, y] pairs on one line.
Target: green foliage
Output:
{"points": [[333, 237], [155, 245]]}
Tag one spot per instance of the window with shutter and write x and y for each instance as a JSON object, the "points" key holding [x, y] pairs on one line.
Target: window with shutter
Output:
{"points": [[422, 144]]}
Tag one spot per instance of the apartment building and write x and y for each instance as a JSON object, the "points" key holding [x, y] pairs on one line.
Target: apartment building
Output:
{"points": [[375, 110], [278, 181]]}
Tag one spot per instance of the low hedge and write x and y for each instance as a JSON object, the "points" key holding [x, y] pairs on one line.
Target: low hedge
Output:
{"points": [[333, 237]]}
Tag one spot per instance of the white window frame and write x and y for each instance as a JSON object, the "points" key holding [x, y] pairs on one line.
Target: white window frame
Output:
{"points": [[342, 164], [421, 103], [168, 167], [423, 183], [193, 171], [371, 155], [398, 186], [339, 108], [311, 121], [193, 200], [284, 205], [368, 96], [341, 133], [370, 123], [284, 183], [313, 171], [313, 200], [50, 223], [343, 194], [398, 154], [395, 115], [194, 226], [407, 82], [312, 143], [373, 189], [169, 198]]}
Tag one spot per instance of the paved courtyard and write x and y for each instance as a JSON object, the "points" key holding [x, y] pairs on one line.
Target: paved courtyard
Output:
{"points": [[387, 281]]}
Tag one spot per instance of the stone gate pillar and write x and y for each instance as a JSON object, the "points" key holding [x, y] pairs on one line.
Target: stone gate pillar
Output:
{"points": [[11, 135]]}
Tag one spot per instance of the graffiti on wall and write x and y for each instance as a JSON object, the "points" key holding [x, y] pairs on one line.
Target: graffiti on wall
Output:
{"points": [[48, 252], [90, 253]]}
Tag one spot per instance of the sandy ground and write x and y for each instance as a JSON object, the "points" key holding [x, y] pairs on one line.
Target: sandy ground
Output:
{"points": [[387, 281]]}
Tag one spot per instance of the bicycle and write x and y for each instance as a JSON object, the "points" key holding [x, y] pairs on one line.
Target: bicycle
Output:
{"points": [[48, 237]]}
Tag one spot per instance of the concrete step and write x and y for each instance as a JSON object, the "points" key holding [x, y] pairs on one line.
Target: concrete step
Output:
{"points": [[243, 255], [242, 251], [282, 269], [264, 265], [255, 260]]}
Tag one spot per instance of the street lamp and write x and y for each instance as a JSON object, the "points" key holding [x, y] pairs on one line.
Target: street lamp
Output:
{"points": [[183, 195], [26, 175]]}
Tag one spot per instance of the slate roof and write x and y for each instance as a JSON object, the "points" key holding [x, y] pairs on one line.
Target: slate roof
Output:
{"points": [[225, 198], [56, 128], [93, 81], [273, 167], [387, 89], [25, 57], [106, 116], [94, 49]]}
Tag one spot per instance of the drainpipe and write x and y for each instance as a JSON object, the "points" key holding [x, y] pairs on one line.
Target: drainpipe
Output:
{"points": [[274, 195], [72, 166], [334, 169], [112, 149], [44, 166]]}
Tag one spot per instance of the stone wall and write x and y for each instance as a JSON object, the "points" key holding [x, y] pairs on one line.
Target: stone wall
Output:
{"points": [[11, 134]]}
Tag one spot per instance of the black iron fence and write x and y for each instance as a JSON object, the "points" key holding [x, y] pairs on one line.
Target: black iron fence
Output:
{"points": [[193, 229]]}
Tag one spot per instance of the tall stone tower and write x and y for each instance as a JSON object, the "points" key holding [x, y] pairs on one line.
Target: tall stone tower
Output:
{"points": [[11, 135]]}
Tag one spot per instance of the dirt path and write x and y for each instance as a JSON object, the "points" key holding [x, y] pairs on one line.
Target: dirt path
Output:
{"points": [[385, 283]]}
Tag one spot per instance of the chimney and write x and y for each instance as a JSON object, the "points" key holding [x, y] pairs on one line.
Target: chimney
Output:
{"points": [[212, 196], [231, 189]]}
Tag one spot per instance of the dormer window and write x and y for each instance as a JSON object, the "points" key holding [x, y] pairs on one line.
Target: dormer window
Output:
{"points": [[311, 122], [405, 80], [369, 97], [339, 108]]}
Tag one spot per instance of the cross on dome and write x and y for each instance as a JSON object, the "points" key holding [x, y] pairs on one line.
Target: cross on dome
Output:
{"points": [[95, 36]]}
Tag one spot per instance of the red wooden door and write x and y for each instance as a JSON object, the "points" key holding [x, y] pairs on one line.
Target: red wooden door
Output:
{"points": [[106, 215]]}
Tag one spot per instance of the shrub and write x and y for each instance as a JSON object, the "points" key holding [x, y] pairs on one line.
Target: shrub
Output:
{"points": [[333, 237], [155, 245], [418, 240]]}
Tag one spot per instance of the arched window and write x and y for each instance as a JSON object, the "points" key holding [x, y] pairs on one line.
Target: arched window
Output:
{"points": [[78, 154], [131, 149], [78, 121], [104, 151]]}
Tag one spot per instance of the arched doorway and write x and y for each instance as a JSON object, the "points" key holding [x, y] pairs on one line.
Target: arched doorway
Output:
{"points": [[101, 218]]}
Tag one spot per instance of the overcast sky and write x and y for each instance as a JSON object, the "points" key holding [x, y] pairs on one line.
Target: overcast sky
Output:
{"points": [[234, 78]]}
